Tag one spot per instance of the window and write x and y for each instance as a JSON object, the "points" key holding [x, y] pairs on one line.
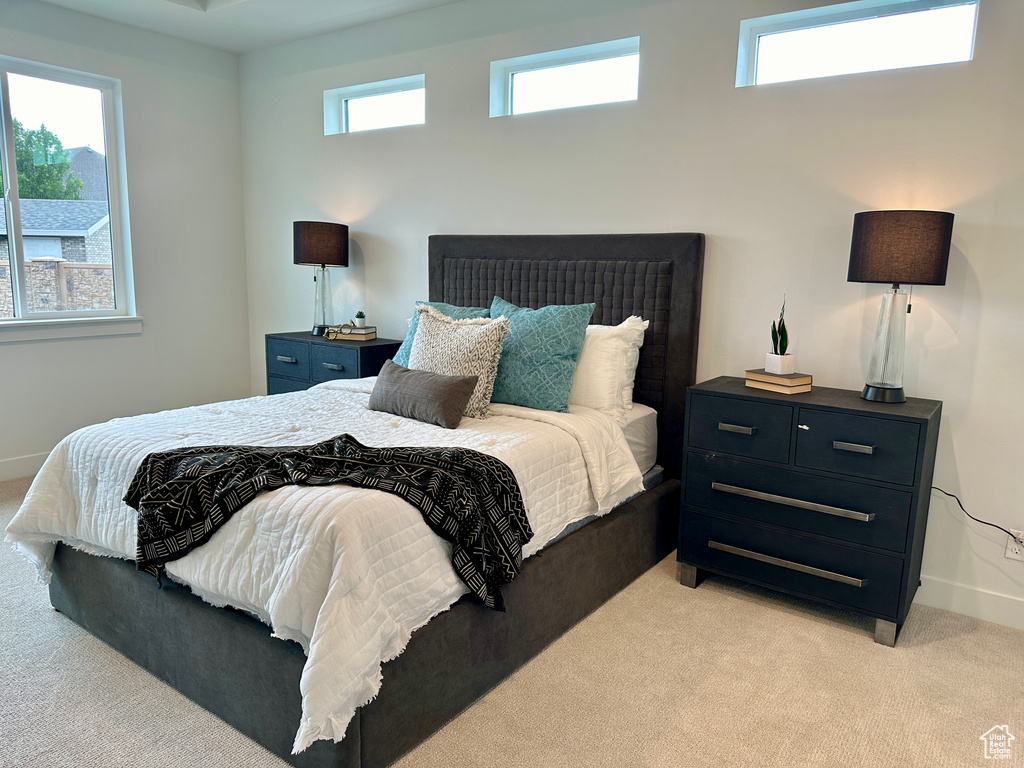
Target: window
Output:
{"points": [[63, 236], [384, 104], [864, 36], [573, 77]]}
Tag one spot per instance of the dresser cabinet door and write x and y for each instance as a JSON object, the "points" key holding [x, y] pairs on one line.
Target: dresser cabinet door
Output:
{"points": [[854, 512], [863, 580], [741, 427], [288, 358], [329, 363], [277, 385], [862, 446]]}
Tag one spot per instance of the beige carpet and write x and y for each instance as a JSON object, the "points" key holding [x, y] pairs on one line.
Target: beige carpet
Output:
{"points": [[724, 675]]}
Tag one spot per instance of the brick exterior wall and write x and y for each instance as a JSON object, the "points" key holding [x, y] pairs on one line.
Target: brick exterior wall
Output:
{"points": [[97, 246], [72, 248]]}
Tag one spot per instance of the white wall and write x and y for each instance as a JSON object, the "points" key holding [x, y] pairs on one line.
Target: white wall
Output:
{"points": [[182, 137], [773, 176]]}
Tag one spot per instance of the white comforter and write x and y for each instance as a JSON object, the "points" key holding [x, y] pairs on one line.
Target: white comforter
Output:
{"points": [[348, 573]]}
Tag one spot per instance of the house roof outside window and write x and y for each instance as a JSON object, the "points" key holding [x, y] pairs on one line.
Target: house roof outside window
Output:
{"points": [[59, 218]]}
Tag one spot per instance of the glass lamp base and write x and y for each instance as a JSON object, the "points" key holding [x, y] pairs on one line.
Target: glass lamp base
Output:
{"points": [[883, 394], [323, 305], [885, 372]]}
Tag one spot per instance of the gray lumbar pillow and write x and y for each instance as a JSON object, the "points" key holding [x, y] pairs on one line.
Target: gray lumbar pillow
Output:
{"points": [[421, 395], [469, 347]]}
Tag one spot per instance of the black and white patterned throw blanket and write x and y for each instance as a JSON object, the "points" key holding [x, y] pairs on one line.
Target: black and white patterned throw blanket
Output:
{"points": [[466, 497]]}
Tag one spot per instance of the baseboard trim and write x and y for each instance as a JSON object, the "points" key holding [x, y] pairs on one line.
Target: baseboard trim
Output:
{"points": [[21, 466], [983, 604]]}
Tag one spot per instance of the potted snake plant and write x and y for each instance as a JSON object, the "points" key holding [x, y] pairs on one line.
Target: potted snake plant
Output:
{"points": [[778, 360]]}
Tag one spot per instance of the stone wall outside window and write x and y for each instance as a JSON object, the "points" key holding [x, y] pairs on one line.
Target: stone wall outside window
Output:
{"points": [[54, 286]]}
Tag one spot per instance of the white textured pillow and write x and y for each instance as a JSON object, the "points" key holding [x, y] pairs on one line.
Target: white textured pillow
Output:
{"points": [[607, 366], [468, 347]]}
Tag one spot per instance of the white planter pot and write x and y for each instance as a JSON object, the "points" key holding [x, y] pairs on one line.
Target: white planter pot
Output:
{"points": [[360, 322], [780, 364]]}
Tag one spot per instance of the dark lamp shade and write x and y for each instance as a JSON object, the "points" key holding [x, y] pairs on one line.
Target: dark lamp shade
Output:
{"points": [[321, 242], [906, 247]]}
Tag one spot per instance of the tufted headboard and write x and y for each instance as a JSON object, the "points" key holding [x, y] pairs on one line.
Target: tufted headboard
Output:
{"points": [[656, 276]]}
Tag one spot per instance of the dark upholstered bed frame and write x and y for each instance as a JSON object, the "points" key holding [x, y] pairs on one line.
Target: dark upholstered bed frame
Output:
{"points": [[227, 661]]}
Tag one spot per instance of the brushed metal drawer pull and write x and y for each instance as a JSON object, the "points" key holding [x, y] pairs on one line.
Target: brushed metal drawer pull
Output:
{"points": [[864, 517], [283, 359], [723, 427], [333, 367], [830, 575], [853, 447]]}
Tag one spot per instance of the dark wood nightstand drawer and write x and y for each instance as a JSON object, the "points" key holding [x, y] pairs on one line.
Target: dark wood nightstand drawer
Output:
{"points": [[287, 358], [748, 428], [863, 446], [863, 580], [276, 385], [329, 363], [865, 514]]}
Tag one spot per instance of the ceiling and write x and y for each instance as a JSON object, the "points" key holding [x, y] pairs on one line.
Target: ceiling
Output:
{"points": [[246, 25]]}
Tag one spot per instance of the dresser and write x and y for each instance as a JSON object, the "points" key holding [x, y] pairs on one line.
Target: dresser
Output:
{"points": [[822, 495], [299, 360]]}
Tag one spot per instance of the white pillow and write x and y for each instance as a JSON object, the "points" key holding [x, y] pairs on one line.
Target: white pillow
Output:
{"points": [[607, 366]]}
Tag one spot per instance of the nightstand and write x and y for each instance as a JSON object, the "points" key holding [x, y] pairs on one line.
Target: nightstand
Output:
{"points": [[822, 495], [299, 360]]}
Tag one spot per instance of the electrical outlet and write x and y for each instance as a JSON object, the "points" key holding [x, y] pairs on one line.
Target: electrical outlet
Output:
{"points": [[1014, 547]]}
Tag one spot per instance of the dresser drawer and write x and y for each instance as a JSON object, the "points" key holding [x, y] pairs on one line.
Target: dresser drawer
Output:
{"points": [[288, 358], [748, 428], [863, 446], [865, 514], [334, 363], [277, 385], [864, 580]]}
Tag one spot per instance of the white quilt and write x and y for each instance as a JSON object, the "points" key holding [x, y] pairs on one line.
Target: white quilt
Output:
{"points": [[348, 573]]}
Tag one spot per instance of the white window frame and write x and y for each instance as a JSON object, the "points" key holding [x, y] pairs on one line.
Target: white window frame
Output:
{"points": [[752, 29], [336, 100], [503, 70], [122, 319]]}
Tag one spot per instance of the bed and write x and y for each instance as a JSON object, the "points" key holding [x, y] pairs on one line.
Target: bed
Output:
{"points": [[228, 662]]}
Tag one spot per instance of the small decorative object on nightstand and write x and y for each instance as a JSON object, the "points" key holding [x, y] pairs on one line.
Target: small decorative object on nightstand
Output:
{"points": [[777, 361], [351, 332], [297, 360], [783, 383], [822, 495]]}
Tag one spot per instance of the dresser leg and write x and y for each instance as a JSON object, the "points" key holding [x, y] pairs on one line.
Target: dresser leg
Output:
{"points": [[689, 575], [885, 632]]}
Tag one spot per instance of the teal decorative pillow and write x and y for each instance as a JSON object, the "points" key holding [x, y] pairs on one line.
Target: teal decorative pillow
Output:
{"points": [[455, 313], [540, 354]]}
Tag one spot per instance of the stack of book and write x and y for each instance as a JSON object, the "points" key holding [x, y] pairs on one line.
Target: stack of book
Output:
{"points": [[783, 383], [367, 333]]}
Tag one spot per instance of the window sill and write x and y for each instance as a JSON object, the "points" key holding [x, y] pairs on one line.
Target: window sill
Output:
{"points": [[70, 328]]}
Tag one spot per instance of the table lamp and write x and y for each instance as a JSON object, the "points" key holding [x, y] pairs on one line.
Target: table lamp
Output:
{"points": [[900, 248], [321, 244]]}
